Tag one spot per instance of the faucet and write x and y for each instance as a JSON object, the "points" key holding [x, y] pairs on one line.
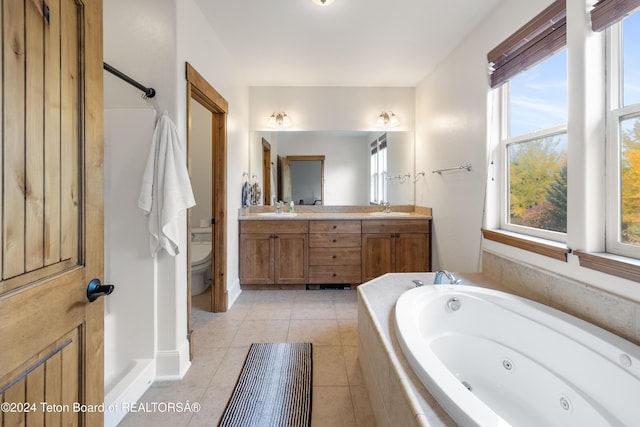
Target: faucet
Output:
{"points": [[387, 207], [450, 277]]}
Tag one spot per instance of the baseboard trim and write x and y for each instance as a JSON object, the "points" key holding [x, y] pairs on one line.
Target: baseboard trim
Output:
{"points": [[172, 365], [128, 391]]}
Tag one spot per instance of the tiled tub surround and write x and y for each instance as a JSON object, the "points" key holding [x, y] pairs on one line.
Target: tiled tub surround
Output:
{"points": [[616, 314], [397, 396]]}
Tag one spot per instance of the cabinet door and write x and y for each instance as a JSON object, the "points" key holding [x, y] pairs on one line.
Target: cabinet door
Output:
{"points": [[377, 255], [291, 259], [256, 259], [412, 253]]}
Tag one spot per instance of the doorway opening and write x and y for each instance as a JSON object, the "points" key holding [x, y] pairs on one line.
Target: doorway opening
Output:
{"points": [[199, 90]]}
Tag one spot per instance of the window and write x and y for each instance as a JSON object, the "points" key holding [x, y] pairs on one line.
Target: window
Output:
{"points": [[379, 170], [530, 71], [623, 159], [534, 143]]}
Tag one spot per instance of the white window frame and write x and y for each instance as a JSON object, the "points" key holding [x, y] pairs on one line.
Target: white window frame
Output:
{"points": [[615, 114], [379, 170], [505, 142]]}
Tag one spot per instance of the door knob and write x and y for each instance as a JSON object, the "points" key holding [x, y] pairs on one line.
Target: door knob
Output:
{"points": [[96, 289]]}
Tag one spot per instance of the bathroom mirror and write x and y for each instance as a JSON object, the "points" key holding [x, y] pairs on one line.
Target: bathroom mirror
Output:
{"points": [[347, 163], [301, 179]]}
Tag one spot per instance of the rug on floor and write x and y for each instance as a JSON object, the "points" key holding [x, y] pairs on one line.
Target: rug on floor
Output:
{"points": [[274, 387]]}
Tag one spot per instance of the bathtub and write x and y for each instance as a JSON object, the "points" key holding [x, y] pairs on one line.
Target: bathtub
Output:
{"points": [[494, 359]]}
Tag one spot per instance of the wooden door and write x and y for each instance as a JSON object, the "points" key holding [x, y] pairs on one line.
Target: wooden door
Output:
{"points": [[378, 255], [291, 259], [266, 172], [51, 215], [256, 259], [412, 253]]}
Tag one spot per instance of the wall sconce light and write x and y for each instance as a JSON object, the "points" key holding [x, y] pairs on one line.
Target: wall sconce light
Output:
{"points": [[388, 118], [279, 120]]}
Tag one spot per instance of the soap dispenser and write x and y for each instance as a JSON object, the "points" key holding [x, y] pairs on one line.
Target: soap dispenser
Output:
{"points": [[291, 207]]}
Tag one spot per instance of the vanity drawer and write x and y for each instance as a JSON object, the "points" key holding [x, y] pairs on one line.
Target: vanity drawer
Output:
{"points": [[335, 274], [396, 226], [329, 240], [335, 256], [274, 227], [335, 227]]}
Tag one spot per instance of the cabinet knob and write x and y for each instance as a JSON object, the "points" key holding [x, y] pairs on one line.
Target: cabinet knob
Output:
{"points": [[334, 274], [334, 256], [334, 240], [335, 226]]}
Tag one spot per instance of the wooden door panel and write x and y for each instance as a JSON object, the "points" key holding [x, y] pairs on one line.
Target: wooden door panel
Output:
{"points": [[377, 255], [47, 389], [41, 153], [412, 253], [52, 124], [51, 237], [256, 259], [292, 259], [69, 131], [34, 96]]}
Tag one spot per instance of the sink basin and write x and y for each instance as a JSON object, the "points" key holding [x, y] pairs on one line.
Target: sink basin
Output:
{"points": [[388, 214], [278, 214]]}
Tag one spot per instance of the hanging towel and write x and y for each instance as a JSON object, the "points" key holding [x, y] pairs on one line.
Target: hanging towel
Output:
{"points": [[256, 193], [246, 194], [166, 188]]}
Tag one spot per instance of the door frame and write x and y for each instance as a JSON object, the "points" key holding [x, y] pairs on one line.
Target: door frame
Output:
{"points": [[266, 172], [200, 90]]}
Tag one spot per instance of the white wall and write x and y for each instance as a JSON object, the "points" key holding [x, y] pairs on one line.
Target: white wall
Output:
{"points": [[143, 49], [332, 108], [451, 129], [150, 40], [199, 45], [129, 327], [401, 161]]}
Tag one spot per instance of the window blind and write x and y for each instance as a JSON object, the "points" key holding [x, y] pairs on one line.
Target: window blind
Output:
{"points": [[608, 12], [540, 38]]}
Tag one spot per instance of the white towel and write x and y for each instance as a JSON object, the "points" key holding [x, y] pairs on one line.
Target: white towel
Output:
{"points": [[166, 188]]}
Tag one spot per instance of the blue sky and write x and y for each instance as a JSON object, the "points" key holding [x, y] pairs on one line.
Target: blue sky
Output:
{"points": [[631, 67], [539, 95]]}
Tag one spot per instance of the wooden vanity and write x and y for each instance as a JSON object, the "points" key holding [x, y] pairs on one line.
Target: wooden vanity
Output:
{"points": [[318, 248]]}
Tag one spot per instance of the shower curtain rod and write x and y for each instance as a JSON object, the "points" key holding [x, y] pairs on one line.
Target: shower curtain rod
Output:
{"points": [[149, 92]]}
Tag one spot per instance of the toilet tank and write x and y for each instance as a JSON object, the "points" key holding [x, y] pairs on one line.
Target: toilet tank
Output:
{"points": [[201, 234]]}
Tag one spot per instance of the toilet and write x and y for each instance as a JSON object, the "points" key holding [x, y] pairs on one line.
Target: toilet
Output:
{"points": [[200, 259]]}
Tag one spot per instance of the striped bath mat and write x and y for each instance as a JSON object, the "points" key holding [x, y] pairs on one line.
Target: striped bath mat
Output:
{"points": [[274, 387]]}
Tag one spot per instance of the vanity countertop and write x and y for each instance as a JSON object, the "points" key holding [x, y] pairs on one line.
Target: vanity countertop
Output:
{"points": [[335, 213]]}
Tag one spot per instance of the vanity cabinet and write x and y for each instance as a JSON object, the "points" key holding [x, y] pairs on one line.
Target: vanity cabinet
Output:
{"points": [[294, 253], [395, 246], [274, 254], [335, 252]]}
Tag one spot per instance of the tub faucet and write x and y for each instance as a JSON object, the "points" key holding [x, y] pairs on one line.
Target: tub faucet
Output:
{"points": [[450, 277]]}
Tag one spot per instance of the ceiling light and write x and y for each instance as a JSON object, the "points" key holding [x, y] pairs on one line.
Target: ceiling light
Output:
{"points": [[279, 120], [388, 118], [323, 2]]}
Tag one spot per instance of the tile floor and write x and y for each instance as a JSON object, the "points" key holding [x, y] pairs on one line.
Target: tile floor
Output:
{"points": [[327, 318]]}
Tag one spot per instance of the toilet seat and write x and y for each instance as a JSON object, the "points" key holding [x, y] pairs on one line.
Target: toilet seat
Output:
{"points": [[200, 252]]}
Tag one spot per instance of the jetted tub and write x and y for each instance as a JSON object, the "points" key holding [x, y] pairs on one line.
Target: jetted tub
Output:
{"points": [[495, 359]]}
